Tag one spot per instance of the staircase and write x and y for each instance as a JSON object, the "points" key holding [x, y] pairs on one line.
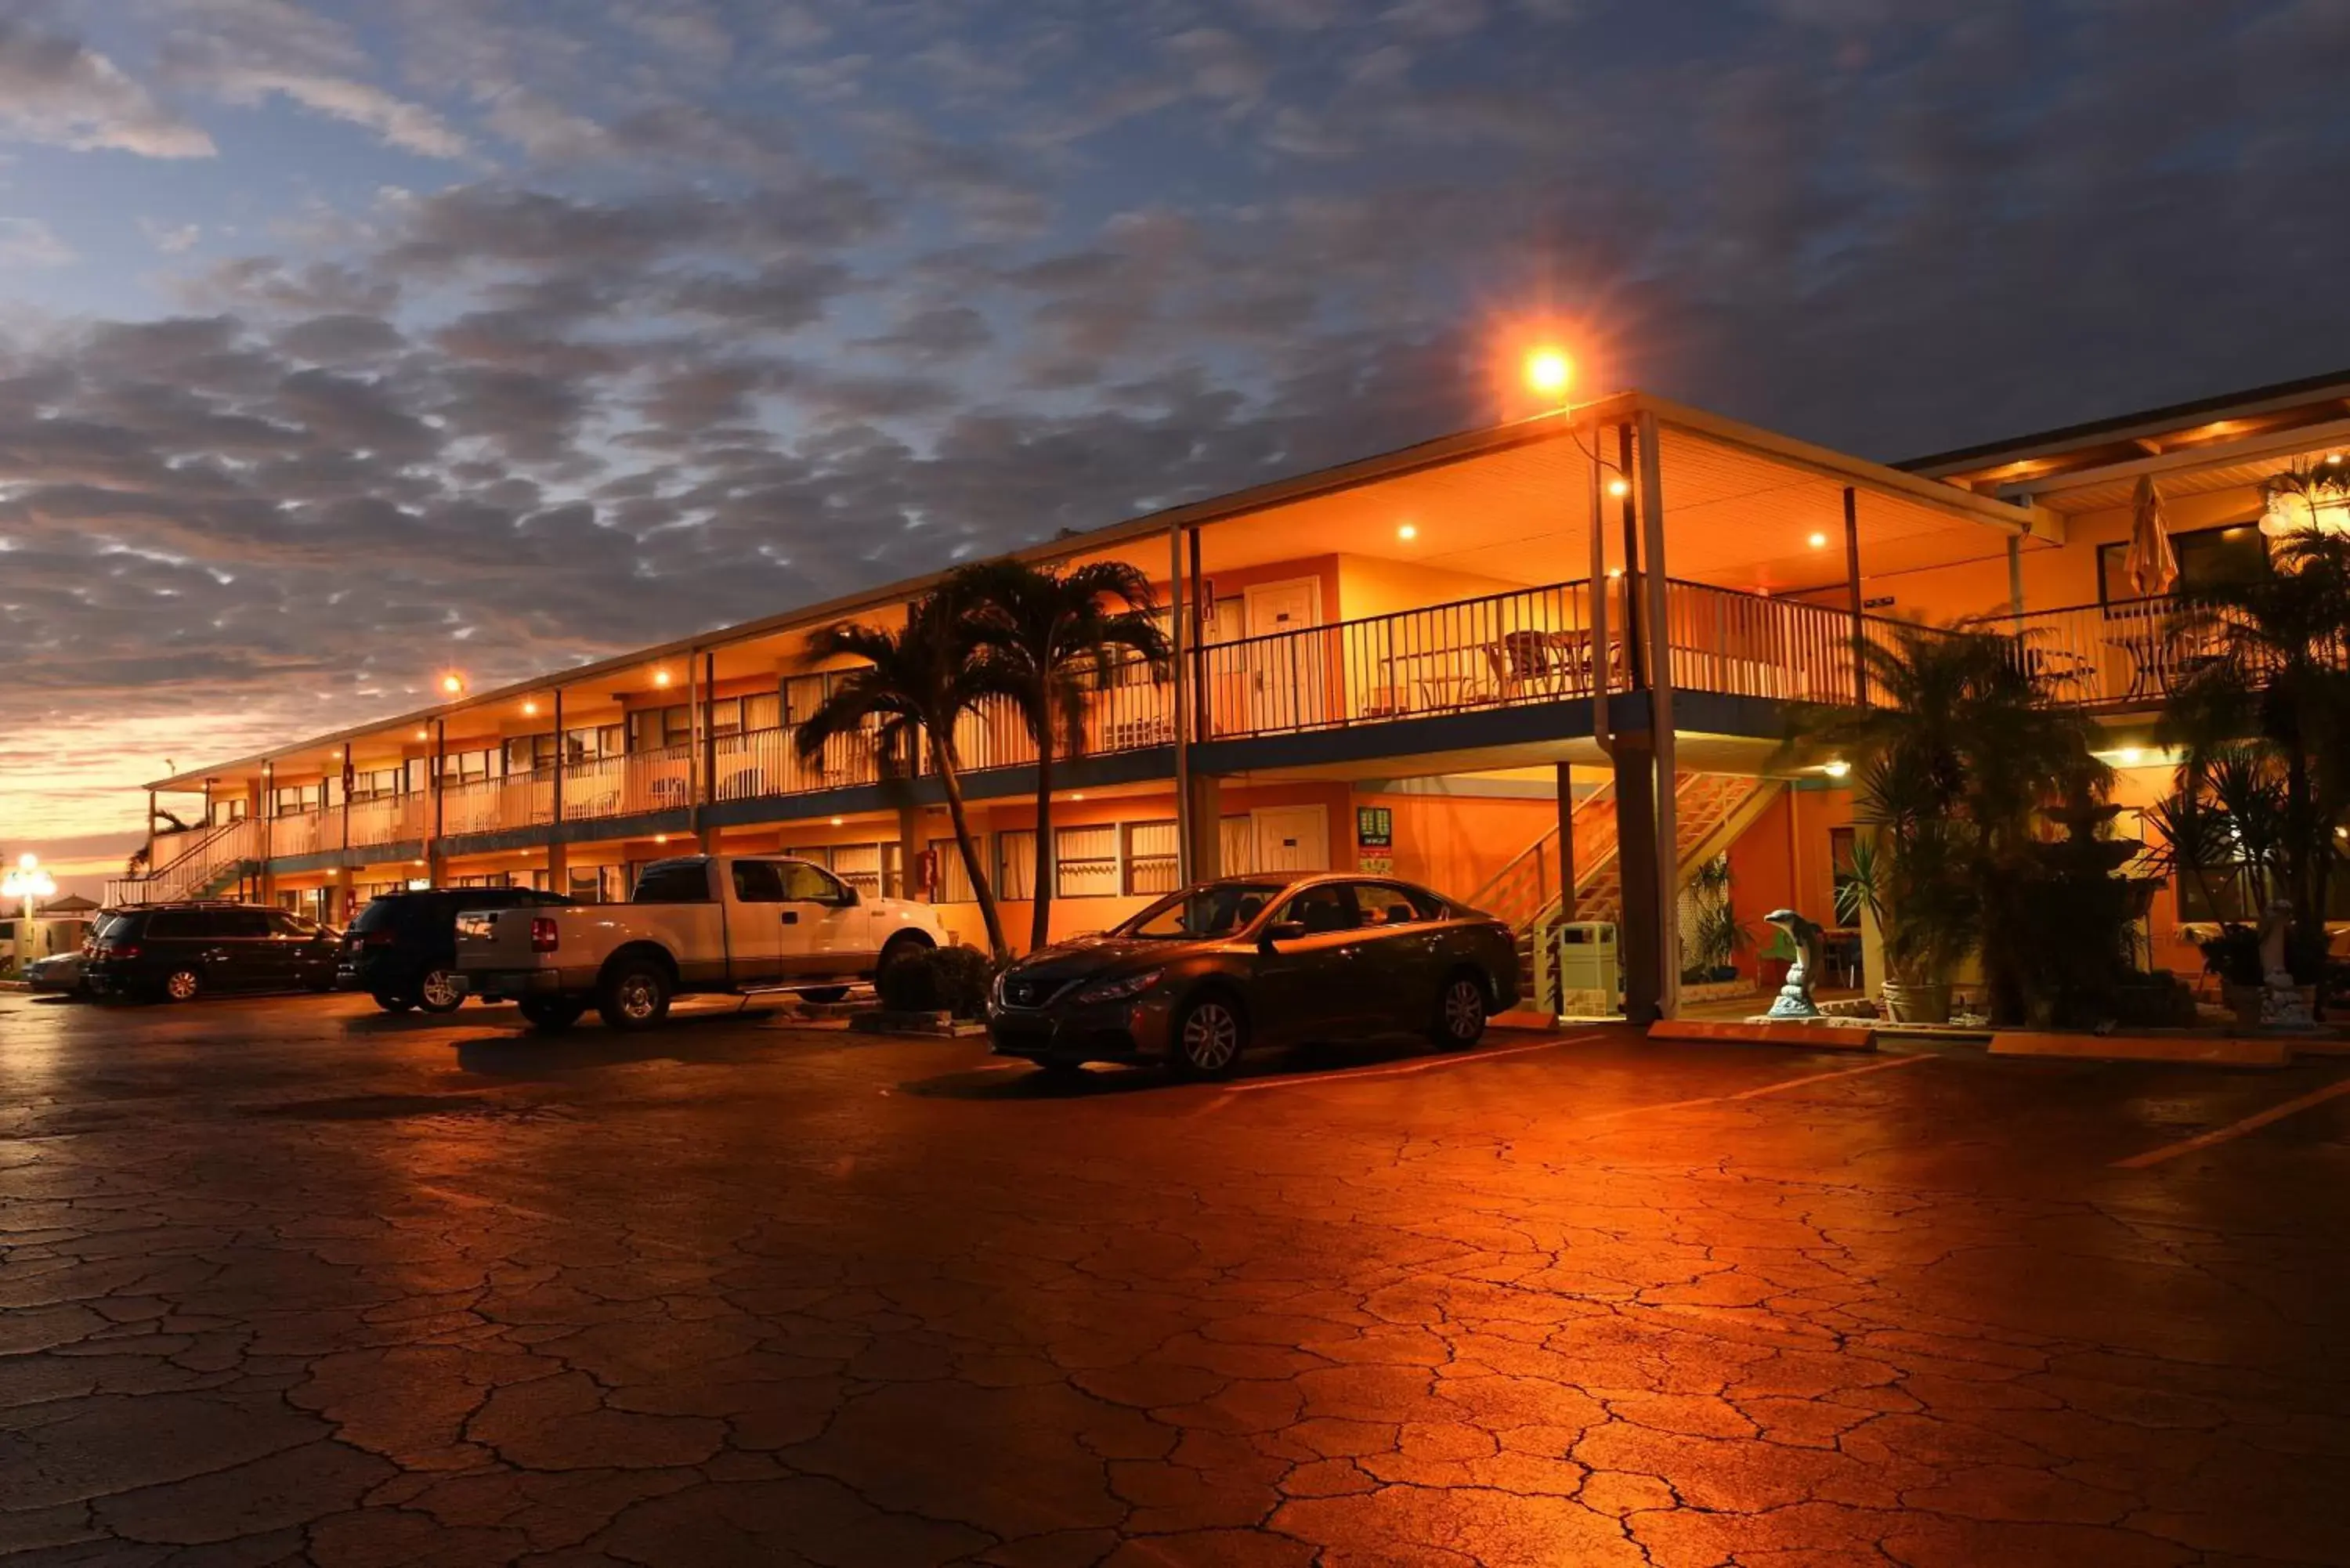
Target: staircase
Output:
{"points": [[218, 858], [1711, 812]]}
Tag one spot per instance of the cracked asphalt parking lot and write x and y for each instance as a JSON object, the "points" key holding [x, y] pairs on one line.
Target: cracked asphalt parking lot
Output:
{"points": [[287, 1281]]}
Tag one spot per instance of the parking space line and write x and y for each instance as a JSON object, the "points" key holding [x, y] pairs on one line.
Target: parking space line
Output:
{"points": [[1760, 1090], [1428, 1065], [2252, 1123]]}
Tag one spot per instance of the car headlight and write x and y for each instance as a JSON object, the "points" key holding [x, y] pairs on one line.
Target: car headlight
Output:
{"points": [[1120, 989]]}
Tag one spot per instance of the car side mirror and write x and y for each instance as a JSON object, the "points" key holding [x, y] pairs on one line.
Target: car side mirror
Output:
{"points": [[1281, 931]]}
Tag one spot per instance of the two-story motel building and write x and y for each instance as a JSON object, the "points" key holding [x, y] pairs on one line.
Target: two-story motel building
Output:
{"points": [[1469, 662]]}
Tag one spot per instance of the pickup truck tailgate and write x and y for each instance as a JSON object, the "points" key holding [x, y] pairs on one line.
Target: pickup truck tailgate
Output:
{"points": [[499, 939]]}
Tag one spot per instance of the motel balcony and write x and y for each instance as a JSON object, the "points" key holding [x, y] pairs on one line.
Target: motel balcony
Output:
{"points": [[1540, 647]]}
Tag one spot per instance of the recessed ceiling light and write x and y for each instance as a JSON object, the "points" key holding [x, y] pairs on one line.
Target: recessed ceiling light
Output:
{"points": [[1407, 532], [529, 708], [836, 822], [1836, 769], [660, 677], [1819, 541], [1619, 487]]}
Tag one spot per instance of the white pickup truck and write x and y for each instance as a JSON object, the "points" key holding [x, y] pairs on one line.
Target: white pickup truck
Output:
{"points": [[697, 923]]}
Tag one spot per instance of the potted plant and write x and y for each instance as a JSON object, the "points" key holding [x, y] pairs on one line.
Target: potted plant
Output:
{"points": [[1716, 935], [1924, 910]]}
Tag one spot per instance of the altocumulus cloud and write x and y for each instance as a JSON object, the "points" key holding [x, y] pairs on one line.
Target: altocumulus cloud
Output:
{"points": [[532, 334]]}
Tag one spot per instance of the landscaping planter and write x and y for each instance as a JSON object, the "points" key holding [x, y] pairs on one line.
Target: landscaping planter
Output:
{"points": [[1917, 1003]]}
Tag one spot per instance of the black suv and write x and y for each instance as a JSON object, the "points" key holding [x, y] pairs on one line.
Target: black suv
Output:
{"points": [[402, 948], [177, 952]]}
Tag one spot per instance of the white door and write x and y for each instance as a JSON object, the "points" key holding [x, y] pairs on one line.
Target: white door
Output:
{"points": [[1292, 839], [1285, 665]]}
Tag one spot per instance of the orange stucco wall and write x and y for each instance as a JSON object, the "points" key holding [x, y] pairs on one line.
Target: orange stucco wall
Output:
{"points": [[1782, 862]]}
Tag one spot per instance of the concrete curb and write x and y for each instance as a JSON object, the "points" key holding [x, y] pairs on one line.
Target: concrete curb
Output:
{"points": [[2195, 1050], [1807, 1037]]}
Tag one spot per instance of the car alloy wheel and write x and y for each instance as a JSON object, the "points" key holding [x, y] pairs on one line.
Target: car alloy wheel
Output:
{"points": [[1465, 1010], [439, 991], [1212, 1038], [182, 984]]}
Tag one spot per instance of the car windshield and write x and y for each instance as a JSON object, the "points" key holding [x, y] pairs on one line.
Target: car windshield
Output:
{"points": [[1217, 910]]}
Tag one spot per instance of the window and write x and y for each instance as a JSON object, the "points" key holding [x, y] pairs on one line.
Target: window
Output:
{"points": [[243, 925], [376, 784], [1152, 864], [598, 884], [2230, 554], [1330, 907], [1385, 904], [282, 924], [295, 799], [862, 866], [528, 753], [953, 879], [653, 729], [230, 808], [1085, 861], [674, 882], [1840, 862], [593, 740], [758, 882], [169, 925], [1219, 910], [1015, 863], [469, 767], [808, 884], [1236, 846], [765, 712]]}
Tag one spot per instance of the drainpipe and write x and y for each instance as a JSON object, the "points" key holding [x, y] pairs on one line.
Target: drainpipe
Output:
{"points": [[1660, 699], [1181, 643], [1852, 581]]}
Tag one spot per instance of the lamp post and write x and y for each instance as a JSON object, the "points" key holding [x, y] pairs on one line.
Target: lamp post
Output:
{"points": [[27, 881]]}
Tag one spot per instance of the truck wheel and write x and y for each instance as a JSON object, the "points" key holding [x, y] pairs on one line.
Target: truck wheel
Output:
{"points": [[551, 1014], [634, 995], [820, 994], [898, 948]]}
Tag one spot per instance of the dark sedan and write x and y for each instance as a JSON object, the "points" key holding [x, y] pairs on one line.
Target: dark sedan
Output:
{"points": [[1209, 972]]}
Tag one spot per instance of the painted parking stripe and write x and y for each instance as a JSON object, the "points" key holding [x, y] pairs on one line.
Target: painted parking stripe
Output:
{"points": [[1778, 1087], [1430, 1065], [2252, 1123]]}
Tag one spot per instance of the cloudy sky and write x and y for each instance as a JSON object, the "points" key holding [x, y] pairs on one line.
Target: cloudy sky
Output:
{"points": [[342, 342]]}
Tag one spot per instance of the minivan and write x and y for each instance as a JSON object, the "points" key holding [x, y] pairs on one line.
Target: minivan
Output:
{"points": [[178, 953]]}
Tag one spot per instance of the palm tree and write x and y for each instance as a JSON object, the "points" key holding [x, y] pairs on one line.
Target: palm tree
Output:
{"points": [[1951, 771], [2269, 682], [1047, 639], [916, 681]]}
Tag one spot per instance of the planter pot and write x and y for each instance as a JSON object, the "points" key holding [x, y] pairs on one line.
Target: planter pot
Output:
{"points": [[1918, 1003], [2244, 1002]]}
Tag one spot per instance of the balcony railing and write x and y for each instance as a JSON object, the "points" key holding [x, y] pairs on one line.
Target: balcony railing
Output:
{"points": [[1524, 647]]}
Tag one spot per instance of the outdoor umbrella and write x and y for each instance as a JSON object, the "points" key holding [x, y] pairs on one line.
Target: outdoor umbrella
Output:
{"points": [[2152, 566]]}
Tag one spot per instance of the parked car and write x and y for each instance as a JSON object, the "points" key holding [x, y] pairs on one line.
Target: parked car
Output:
{"points": [[402, 947], [57, 973], [177, 952], [1208, 972], [697, 923]]}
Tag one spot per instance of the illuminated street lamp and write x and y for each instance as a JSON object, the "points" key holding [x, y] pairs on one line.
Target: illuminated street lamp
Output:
{"points": [[452, 684], [27, 881], [1549, 372]]}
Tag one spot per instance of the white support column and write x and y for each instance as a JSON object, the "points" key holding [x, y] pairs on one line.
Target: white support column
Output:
{"points": [[1660, 698]]}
